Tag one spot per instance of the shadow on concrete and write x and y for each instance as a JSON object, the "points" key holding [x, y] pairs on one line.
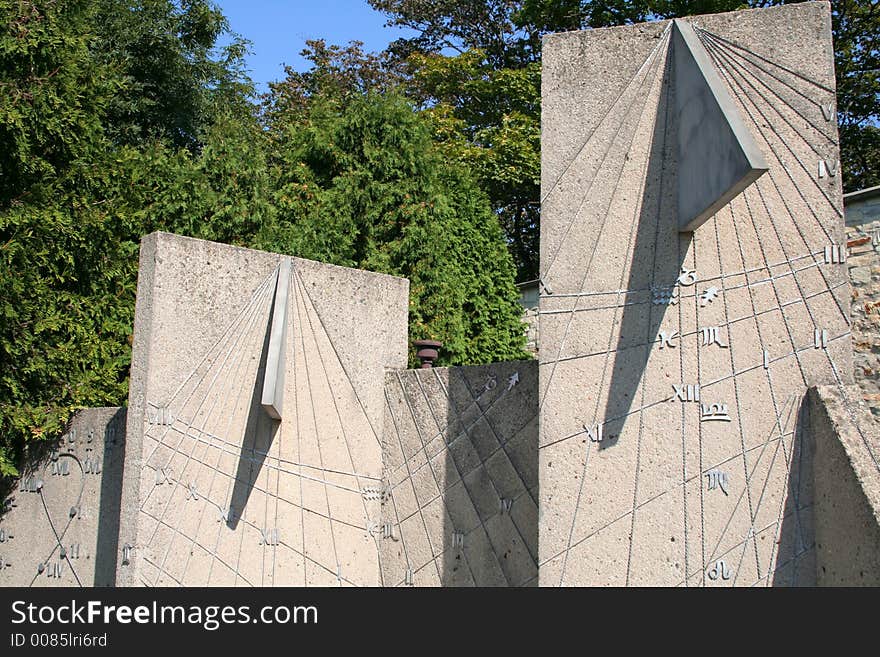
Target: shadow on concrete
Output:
{"points": [[490, 533], [259, 432], [110, 508], [796, 551], [654, 265]]}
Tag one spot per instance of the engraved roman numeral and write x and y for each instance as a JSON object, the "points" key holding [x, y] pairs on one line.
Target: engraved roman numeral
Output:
{"points": [[458, 539], [91, 464], [595, 432], [126, 554], [163, 476], [686, 392], [60, 468], [710, 337], [717, 479], [269, 536], [160, 416], [827, 111], [408, 577], [835, 254], [665, 338], [820, 339], [30, 485], [506, 505], [828, 168]]}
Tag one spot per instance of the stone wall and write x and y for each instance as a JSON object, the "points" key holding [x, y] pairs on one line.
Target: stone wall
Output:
{"points": [[863, 241]]}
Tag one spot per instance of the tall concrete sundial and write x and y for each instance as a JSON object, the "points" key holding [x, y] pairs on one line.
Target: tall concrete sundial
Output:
{"points": [[693, 288]]}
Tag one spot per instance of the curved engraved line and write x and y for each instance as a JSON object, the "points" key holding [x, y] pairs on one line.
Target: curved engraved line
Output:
{"points": [[60, 538]]}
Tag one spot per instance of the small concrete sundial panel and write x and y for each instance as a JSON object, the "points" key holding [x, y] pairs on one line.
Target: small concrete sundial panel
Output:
{"points": [[255, 417], [693, 288], [59, 527]]}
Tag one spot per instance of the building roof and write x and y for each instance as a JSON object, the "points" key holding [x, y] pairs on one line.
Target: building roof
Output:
{"points": [[868, 192]]}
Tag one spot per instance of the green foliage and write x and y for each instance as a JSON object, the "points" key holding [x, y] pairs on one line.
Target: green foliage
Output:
{"points": [[163, 54], [856, 25], [361, 185], [52, 93], [75, 198]]}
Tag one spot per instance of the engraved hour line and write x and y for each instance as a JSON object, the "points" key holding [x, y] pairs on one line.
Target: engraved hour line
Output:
{"points": [[772, 179], [241, 514], [659, 201], [589, 261], [207, 393], [466, 533], [247, 315], [720, 413], [460, 475], [222, 447], [336, 409], [844, 314], [826, 111], [790, 403], [230, 513], [654, 296], [299, 440], [258, 489], [501, 446], [257, 453], [703, 386], [441, 493], [300, 309], [237, 358], [676, 486], [307, 297], [406, 557], [433, 560], [733, 321], [652, 124], [448, 446], [59, 538], [765, 353], [642, 69], [449, 443], [826, 166], [501, 443], [216, 556], [743, 272], [721, 45], [731, 77], [734, 50]]}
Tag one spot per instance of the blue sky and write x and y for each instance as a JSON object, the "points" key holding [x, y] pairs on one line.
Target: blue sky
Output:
{"points": [[278, 29]]}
